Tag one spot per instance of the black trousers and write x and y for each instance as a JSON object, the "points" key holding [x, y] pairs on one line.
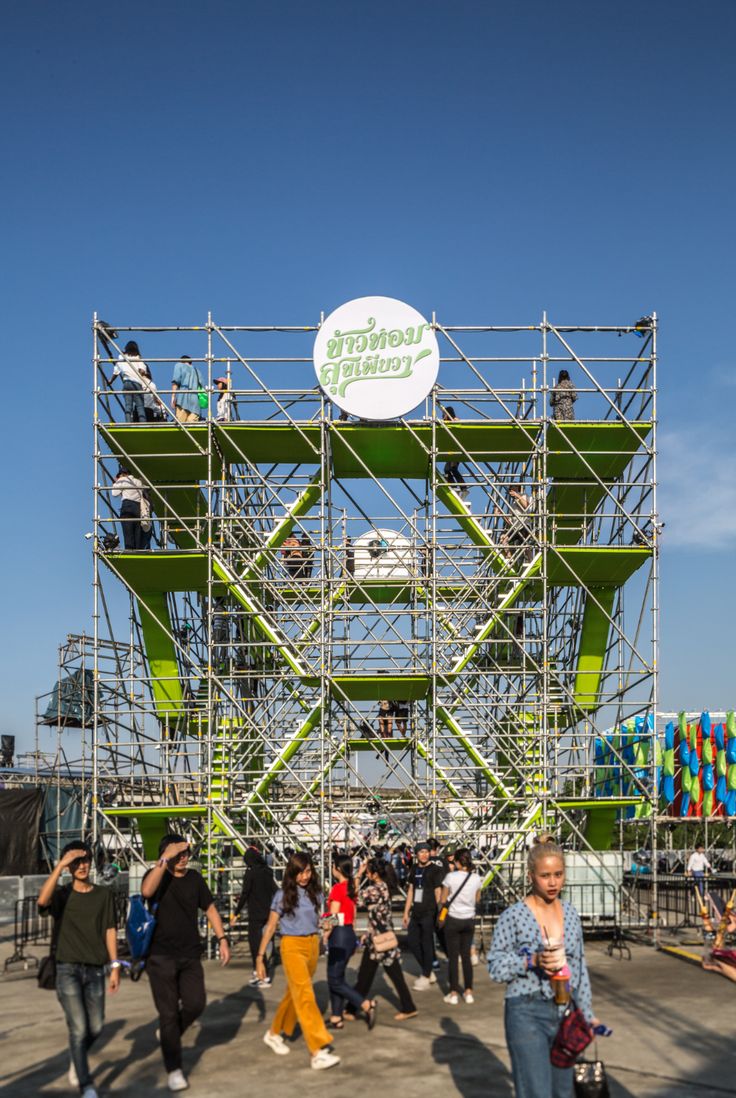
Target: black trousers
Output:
{"points": [[453, 474], [133, 536], [367, 974], [459, 937], [177, 984], [420, 937], [256, 924]]}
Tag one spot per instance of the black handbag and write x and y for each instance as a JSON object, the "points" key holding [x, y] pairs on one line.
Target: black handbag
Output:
{"points": [[589, 1079], [47, 973]]}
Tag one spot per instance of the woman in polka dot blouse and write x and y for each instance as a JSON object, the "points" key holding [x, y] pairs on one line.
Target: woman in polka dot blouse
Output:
{"points": [[534, 941]]}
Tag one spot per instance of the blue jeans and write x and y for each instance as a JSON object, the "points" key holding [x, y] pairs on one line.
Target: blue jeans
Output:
{"points": [[341, 947], [135, 411], [81, 991], [531, 1024]]}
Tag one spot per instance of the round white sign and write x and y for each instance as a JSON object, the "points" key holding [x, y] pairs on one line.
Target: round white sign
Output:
{"points": [[376, 357]]}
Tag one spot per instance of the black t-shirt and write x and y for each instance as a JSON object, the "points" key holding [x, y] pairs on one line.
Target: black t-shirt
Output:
{"points": [[425, 878], [179, 899], [83, 918]]}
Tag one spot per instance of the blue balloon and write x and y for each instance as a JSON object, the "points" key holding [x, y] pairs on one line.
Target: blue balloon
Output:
{"points": [[694, 763], [685, 804], [669, 788], [731, 802], [705, 724], [669, 736], [722, 789], [684, 752], [731, 750], [720, 737], [708, 777]]}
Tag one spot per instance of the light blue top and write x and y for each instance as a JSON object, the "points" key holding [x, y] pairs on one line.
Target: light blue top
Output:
{"points": [[303, 920], [187, 377], [518, 930]]}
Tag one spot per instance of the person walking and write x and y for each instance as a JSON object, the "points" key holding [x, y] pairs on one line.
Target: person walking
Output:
{"points": [[461, 890], [563, 397], [132, 508], [295, 910], [83, 940], [129, 367], [186, 386], [177, 894], [533, 942], [420, 912], [381, 946], [256, 894], [697, 867], [341, 943]]}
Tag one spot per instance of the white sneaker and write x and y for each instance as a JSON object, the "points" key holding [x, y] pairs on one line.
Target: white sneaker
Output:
{"points": [[254, 981], [72, 1076], [421, 984], [177, 1081], [89, 1092], [276, 1043], [264, 983], [452, 997], [324, 1059], [474, 958], [432, 978], [468, 997]]}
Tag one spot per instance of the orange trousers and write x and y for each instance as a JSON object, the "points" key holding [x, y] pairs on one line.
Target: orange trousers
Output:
{"points": [[299, 957]]}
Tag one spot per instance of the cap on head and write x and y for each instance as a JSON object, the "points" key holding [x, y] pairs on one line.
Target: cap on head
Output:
{"points": [[421, 846]]}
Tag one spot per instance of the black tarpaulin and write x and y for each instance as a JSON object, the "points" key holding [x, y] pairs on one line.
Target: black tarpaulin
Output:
{"points": [[20, 814]]}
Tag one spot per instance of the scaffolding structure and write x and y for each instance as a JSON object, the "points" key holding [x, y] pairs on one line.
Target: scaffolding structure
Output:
{"points": [[509, 632]]}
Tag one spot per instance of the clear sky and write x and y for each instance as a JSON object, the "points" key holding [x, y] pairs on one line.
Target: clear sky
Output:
{"points": [[267, 160]]}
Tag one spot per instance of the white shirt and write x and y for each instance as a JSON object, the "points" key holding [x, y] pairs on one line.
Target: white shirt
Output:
{"points": [[224, 408], [151, 398], [698, 863], [129, 487], [464, 906], [129, 366]]}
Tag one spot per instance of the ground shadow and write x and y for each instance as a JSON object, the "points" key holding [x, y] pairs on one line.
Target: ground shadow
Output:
{"points": [[476, 1071], [54, 1067]]}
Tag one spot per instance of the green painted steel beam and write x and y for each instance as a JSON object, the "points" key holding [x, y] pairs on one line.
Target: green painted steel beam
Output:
{"points": [[304, 503], [530, 820], [377, 687], [592, 648], [163, 665], [606, 447], [286, 754], [472, 752]]}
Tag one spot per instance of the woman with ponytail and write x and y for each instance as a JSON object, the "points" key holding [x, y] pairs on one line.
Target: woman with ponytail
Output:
{"points": [[341, 943], [537, 951]]}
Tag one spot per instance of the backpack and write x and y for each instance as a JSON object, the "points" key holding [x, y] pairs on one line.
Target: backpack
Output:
{"points": [[139, 927]]}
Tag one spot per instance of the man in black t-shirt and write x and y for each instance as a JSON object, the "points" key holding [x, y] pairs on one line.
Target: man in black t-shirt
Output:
{"points": [[420, 912], [177, 894], [83, 940]]}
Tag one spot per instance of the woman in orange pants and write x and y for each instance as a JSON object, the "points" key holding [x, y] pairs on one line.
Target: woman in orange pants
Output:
{"points": [[297, 906]]}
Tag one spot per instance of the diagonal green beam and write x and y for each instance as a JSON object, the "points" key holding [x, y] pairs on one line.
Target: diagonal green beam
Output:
{"points": [[473, 528], [283, 528], [333, 760], [423, 750], [472, 752], [532, 817], [286, 754], [593, 647]]}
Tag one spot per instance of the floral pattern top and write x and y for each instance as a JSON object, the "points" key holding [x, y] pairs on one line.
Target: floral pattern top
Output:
{"points": [[376, 899]]}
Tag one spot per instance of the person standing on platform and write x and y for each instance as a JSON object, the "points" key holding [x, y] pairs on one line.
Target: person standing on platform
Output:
{"points": [[129, 367], [461, 887], [537, 951], [186, 385], [256, 894], [697, 867], [177, 894], [563, 397], [385, 719], [452, 468], [84, 939], [224, 412], [133, 502], [296, 909], [420, 912], [341, 943]]}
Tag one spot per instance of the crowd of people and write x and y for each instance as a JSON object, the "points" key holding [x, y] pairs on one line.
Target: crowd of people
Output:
{"points": [[189, 397], [537, 949]]}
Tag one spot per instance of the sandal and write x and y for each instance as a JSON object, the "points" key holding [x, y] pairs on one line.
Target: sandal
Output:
{"points": [[403, 1016], [370, 1014], [336, 1023]]}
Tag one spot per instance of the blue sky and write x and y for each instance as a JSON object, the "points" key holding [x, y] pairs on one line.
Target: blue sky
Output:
{"points": [[267, 161]]}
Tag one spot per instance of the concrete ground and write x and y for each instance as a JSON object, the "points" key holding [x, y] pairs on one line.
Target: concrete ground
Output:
{"points": [[673, 1038]]}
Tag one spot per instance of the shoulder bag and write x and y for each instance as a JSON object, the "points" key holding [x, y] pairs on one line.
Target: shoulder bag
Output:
{"points": [[444, 911], [573, 1037], [46, 977]]}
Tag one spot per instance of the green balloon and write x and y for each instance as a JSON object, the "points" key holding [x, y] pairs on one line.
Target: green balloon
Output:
{"points": [[682, 724], [721, 764], [707, 751], [686, 779], [669, 763], [708, 802], [731, 779], [731, 722]]}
